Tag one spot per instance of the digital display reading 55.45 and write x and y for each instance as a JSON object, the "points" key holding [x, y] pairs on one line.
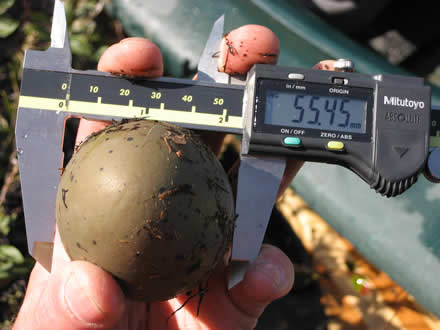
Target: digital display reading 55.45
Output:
{"points": [[327, 113]]}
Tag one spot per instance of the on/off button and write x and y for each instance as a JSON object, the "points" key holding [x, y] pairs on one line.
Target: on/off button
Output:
{"points": [[292, 141]]}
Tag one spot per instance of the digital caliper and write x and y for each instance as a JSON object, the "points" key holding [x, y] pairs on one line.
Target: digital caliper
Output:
{"points": [[378, 126], [381, 127]]}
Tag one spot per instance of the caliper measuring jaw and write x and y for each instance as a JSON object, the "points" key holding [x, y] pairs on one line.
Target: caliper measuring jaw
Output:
{"points": [[259, 179], [38, 138]]}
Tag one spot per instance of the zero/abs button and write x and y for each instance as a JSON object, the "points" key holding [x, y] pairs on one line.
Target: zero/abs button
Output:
{"points": [[335, 146]]}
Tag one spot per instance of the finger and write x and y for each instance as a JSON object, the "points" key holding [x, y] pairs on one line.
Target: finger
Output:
{"points": [[81, 296], [325, 65], [131, 56], [87, 127], [60, 257], [269, 277], [241, 48]]}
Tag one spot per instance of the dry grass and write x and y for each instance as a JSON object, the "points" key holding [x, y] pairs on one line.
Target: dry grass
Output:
{"points": [[356, 295]]}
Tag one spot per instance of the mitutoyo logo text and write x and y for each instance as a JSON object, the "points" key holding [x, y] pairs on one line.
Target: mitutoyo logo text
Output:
{"points": [[398, 102]]}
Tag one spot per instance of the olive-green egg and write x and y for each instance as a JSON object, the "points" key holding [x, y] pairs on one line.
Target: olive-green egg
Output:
{"points": [[148, 202]]}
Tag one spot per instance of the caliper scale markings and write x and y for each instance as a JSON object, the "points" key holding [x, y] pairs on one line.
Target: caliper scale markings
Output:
{"points": [[177, 101]]}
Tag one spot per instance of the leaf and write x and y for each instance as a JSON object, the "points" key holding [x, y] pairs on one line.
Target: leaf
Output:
{"points": [[5, 223], [80, 45], [5, 219], [7, 26], [9, 253], [5, 267], [99, 53], [5, 5], [84, 8], [37, 31]]}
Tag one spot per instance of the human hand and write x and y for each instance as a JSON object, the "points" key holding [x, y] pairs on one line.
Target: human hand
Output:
{"points": [[80, 295]]}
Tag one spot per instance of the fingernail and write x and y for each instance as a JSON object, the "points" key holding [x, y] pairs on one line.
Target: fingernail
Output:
{"points": [[265, 266], [80, 301]]}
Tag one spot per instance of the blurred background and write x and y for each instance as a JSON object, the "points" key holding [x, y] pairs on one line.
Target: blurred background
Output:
{"points": [[336, 286]]}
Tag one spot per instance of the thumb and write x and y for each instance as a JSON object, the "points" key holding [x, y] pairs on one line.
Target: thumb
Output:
{"points": [[81, 296], [268, 278]]}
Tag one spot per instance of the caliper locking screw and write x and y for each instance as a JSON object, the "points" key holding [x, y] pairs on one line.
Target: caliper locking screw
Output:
{"points": [[432, 170], [344, 65]]}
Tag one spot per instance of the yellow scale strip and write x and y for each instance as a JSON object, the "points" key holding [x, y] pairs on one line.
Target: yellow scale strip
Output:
{"points": [[130, 111], [194, 117]]}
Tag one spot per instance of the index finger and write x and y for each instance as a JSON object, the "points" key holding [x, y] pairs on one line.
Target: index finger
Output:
{"points": [[248, 45], [131, 56], [239, 50]]}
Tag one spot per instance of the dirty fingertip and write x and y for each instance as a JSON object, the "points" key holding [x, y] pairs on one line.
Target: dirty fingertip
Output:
{"points": [[325, 65], [133, 56], [245, 46]]}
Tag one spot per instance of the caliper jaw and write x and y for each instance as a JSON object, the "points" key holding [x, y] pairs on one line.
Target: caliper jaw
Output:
{"points": [[59, 56], [39, 136], [259, 180], [207, 67]]}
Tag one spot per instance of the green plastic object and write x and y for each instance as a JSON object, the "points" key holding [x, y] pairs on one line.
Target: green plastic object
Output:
{"points": [[399, 235]]}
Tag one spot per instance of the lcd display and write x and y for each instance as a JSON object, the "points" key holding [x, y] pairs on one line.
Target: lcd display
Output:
{"points": [[326, 113]]}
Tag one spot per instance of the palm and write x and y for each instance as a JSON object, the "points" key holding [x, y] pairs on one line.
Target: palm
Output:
{"points": [[219, 308], [214, 306]]}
